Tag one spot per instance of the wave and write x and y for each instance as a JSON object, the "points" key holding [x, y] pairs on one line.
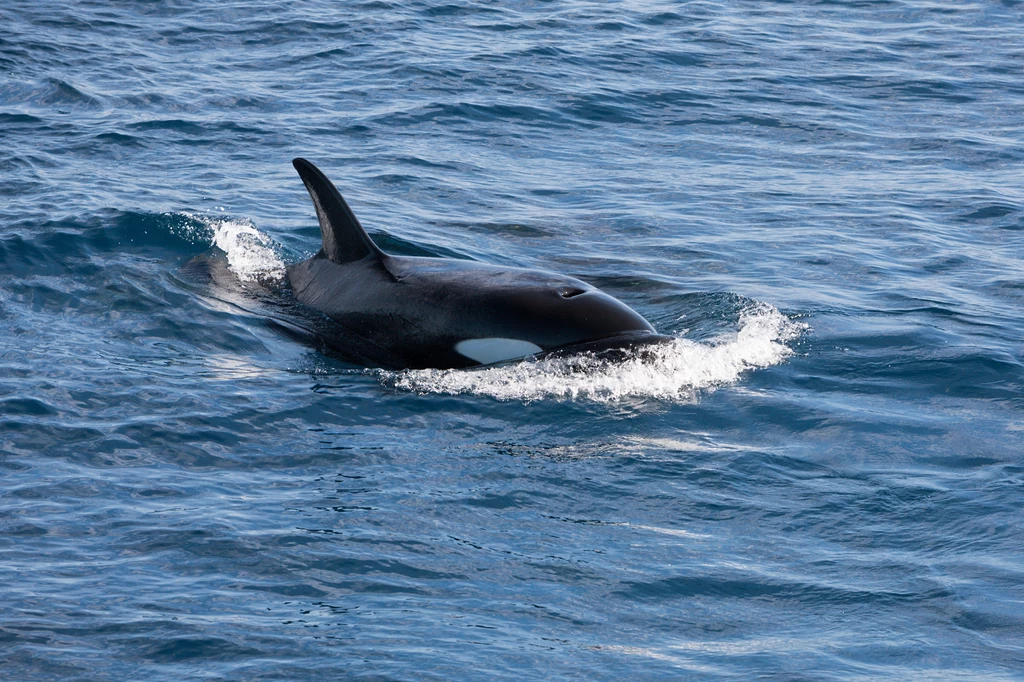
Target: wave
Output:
{"points": [[672, 372], [252, 254]]}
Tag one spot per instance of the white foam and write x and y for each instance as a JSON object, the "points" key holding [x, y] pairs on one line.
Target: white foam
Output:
{"points": [[673, 372], [252, 255]]}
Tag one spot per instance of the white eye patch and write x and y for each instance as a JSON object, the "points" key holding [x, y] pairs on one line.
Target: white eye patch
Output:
{"points": [[486, 351]]}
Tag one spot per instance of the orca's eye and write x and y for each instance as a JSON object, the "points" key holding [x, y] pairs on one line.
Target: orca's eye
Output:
{"points": [[569, 292]]}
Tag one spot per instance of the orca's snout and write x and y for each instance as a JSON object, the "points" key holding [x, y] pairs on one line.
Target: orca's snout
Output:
{"points": [[573, 317], [635, 344]]}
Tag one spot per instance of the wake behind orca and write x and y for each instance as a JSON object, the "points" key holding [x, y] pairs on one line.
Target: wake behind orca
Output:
{"points": [[402, 312]]}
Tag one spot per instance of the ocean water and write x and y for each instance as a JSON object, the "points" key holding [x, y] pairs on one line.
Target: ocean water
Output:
{"points": [[822, 478]]}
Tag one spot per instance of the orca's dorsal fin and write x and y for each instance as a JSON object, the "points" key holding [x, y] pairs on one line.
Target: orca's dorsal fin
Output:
{"points": [[344, 238]]}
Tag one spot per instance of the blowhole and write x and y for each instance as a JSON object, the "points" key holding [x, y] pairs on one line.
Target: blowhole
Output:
{"points": [[569, 292]]}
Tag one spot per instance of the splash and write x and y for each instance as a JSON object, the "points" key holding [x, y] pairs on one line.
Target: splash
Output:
{"points": [[252, 255], [673, 372]]}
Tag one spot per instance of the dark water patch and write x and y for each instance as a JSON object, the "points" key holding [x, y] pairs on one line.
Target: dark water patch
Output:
{"points": [[545, 51], [447, 113], [662, 18], [612, 26], [175, 125], [159, 101], [121, 139], [385, 567], [333, 54], [988, 213], [26, 406], [460, 9], [16, 119], [598, 109], [688, 588], [24, 258], [911, 89], [51, 92], [202, 648], [426, 163], [24, 531], [516, 230], [685, 59], [390, 243], [396, 179], [84, 242]]}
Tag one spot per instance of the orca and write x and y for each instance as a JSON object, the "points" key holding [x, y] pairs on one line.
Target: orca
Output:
{"points": [[403, 312]]}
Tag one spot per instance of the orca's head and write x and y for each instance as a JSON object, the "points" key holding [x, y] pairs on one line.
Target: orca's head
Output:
{"points": [[527, 312]]}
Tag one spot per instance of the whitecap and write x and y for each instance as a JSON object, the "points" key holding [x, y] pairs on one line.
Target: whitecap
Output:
{"points": [[252, 255], [674, 372]]}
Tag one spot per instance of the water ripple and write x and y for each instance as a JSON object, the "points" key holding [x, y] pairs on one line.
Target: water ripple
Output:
{"points": [[819, 480]]}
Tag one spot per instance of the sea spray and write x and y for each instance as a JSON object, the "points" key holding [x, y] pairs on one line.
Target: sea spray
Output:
{"points": [[252, 255], [673, 372]]}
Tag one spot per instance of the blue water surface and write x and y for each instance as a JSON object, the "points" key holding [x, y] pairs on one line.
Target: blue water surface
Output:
{"points": [[823, 480]]}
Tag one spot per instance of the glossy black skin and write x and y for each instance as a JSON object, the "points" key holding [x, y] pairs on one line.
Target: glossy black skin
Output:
{"points": [[418, 309], [411, 312]]}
